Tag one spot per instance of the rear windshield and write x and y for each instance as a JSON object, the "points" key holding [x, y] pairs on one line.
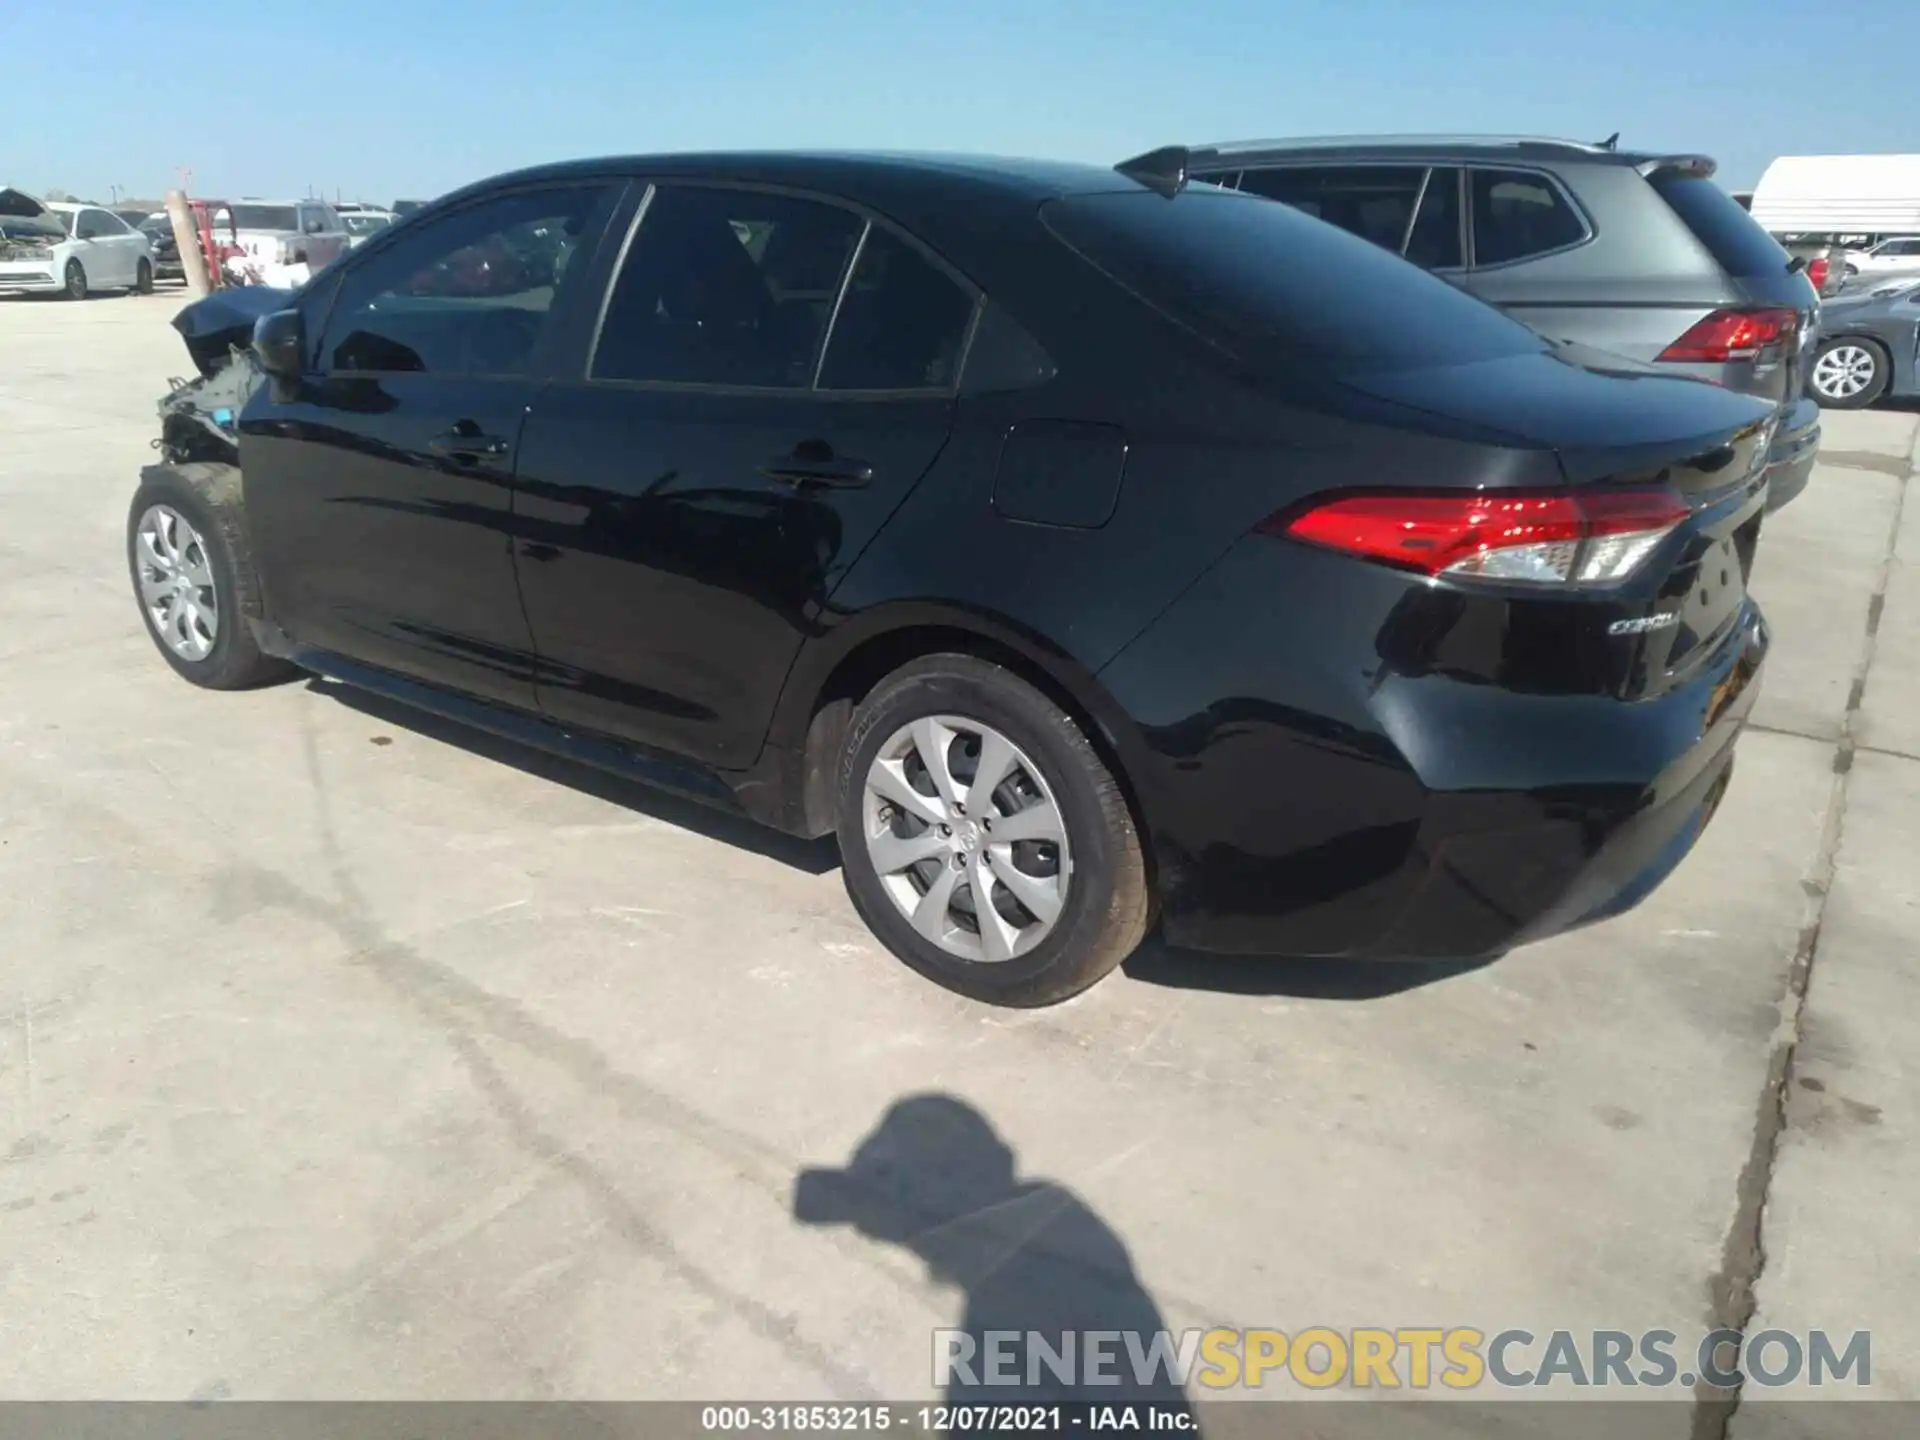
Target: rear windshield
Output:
{"points": [[264, 217], [1273, 285], [1732, 235]]}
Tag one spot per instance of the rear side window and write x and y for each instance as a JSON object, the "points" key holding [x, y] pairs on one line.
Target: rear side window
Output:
{"points": [[1732, 236], [901, 324], [1276, 288], [726, 287], [1517, 215], [1374, 202], [1435, 241]]}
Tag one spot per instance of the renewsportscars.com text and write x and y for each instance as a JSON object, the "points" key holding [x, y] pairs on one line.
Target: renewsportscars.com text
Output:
{"points": [[1459, 1358]]}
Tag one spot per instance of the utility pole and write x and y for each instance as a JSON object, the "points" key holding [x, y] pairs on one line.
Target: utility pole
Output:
{"points": [[186, 235]]}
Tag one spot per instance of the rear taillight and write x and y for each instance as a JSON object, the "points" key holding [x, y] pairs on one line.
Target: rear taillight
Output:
{"points": [[1570, 538], [1733, 335], [1817, 271]]}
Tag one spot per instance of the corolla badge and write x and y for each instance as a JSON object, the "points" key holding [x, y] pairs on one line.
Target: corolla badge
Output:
{"points": [[1640, 625]]}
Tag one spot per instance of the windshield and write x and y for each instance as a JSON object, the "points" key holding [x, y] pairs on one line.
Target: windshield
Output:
{"points": [[363, 224], [32, 227], [263, 217], [1269, 284]]}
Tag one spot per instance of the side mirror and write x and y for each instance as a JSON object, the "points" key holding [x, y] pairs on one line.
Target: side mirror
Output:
{"points": [[280, 344]]}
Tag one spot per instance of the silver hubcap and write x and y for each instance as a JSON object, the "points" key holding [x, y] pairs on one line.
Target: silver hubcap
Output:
{"points": [[1843, 372], [966, 838], [176, 583]]}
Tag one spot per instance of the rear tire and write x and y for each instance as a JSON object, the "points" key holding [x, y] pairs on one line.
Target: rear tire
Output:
{"points": [[1848, 373], [193, 577], [76, 280], [143, 278], [1089, 891]]}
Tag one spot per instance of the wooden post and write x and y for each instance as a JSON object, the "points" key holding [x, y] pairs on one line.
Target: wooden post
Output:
{"points": [[186, 235]]}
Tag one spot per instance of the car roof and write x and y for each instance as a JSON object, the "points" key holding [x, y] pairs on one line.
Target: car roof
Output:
{"points": [[69, 206], [854, 175]]}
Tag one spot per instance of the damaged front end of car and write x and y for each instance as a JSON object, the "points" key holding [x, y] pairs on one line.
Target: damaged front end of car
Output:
{"points": [[199, 417]]}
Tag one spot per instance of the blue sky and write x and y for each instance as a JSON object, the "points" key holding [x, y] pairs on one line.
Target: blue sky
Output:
{"points": [[412, 97]]}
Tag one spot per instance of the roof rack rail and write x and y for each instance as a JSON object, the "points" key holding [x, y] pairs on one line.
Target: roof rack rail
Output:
{"points": [[1163, 171], [1335, 142]]}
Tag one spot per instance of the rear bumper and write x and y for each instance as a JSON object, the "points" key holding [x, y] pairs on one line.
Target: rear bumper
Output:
{"points": [[1300, 801], [1796, 445]]}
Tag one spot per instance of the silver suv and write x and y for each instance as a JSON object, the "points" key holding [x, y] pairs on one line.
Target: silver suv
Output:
{"points": [[1640, 254]]}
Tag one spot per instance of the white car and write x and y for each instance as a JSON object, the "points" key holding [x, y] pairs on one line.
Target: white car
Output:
{"points": [[1900, 255], [363, 222], [61, 247]]}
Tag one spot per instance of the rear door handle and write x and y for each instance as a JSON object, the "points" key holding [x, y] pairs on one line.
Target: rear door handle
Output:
{"points": [[467, 444], [824, 474]]}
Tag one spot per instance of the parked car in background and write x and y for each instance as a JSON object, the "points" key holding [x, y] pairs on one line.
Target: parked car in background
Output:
{"points": [[363, 222], [67, 248], [166, 251], [404, 208], [1823, 261], [1637, 253], [286, 232], [1869, 346], [1078, 547], [1899, 254], [134, 217]]}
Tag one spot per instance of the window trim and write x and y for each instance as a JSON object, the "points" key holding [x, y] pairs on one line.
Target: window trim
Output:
{"points": [[540, 364], [1469, 251], [812, 390]]}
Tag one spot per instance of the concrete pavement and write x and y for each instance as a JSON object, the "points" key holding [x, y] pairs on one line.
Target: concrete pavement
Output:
{"points": [[346, 1055]]}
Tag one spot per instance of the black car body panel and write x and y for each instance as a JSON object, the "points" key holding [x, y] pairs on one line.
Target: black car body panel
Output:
{"points": [[692, 581]]}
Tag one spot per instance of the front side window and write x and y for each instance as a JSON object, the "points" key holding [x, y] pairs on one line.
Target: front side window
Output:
{"points": [[1518, 214], [468, 294], [902, 324], [262, 217], [726, 287], [1374, 202]]}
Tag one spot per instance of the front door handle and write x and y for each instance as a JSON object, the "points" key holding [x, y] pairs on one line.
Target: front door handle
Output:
{"points": [[821, 474], [469, 444]]}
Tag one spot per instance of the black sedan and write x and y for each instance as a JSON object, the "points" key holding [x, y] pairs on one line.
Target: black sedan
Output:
{"points": [[1087, 550], [1869, 346]]}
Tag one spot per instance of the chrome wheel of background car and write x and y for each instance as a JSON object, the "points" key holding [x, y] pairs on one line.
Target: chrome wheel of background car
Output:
{"points": [[1844, 371], [176, 584], [967, 838]]}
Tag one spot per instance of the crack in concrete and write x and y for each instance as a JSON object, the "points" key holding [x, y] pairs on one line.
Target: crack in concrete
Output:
{"points": [[1733, 1289]]}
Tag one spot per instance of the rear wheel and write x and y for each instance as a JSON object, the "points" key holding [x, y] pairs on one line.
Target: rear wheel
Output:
{"points": [[1848, 373], [143, 278], [76, 280], [982, 838]]}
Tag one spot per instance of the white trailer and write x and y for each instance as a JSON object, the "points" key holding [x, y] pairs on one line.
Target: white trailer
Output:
{"points": [[1867, 196]]}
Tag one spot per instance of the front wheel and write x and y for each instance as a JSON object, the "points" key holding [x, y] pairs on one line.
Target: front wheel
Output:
{"points": [[76, 280], [982, 838], [188, 555], [1848, 374]]}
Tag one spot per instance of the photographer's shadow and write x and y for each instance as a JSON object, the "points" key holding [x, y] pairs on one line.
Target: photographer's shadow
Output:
{"points": [[1031, 1257]]}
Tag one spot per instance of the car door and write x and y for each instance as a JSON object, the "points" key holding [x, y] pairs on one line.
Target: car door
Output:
{"points": [[107, 262], [772, 376], [379, 489]]}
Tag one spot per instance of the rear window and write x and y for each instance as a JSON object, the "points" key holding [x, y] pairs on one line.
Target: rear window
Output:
{"points": [[1269, 284], [264, 217], [1732, 235]]}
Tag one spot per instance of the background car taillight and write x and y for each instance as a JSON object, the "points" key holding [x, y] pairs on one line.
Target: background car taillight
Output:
{"points": [[1733, 335], [1571, 538], [1817, 272]]}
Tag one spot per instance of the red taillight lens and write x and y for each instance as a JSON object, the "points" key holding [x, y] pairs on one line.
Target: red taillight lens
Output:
{"points": [[1733, 335], [1565, 539], [1817, 271]]}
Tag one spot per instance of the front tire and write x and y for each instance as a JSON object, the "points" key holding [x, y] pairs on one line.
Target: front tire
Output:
{"points": [[143, 278], [1848, 373], [190, 564], [1052, 845], [76, 280]]}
